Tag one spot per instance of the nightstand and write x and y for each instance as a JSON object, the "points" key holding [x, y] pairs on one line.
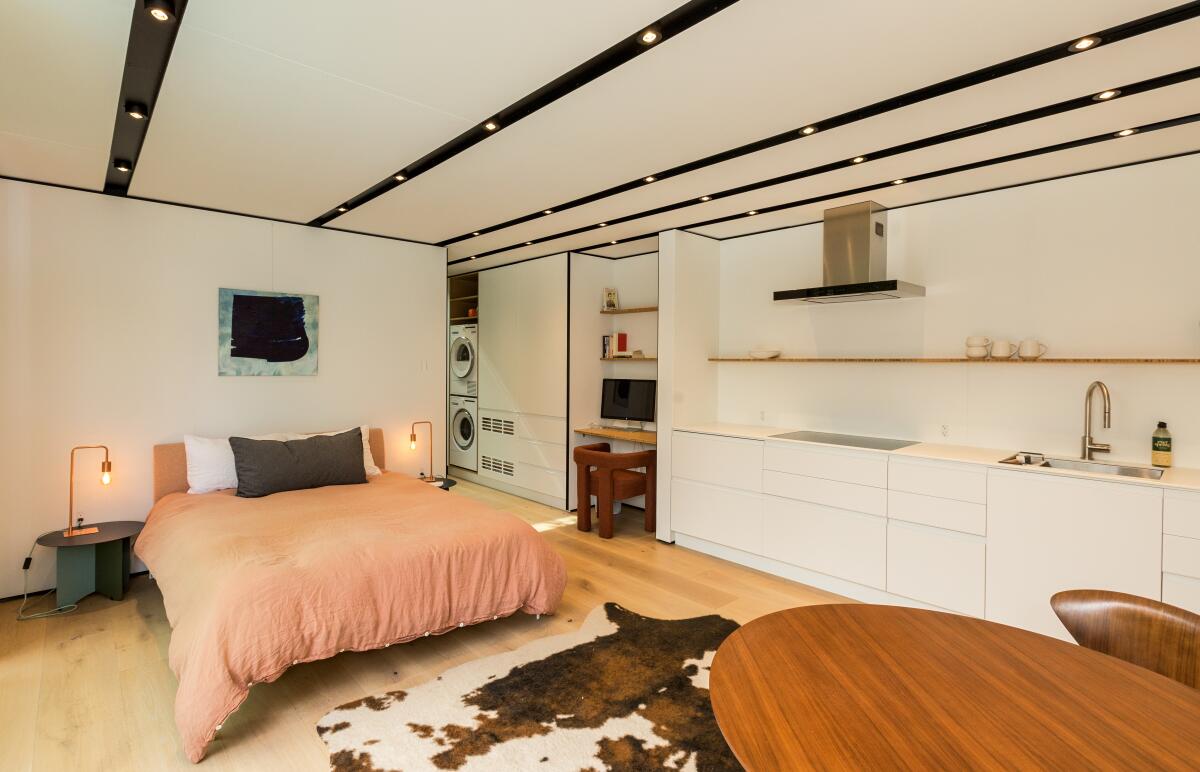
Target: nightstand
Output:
{"points": [[94, 562]]}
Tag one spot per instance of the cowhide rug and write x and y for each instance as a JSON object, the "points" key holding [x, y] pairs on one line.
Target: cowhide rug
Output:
{"points": [[625, 692]]}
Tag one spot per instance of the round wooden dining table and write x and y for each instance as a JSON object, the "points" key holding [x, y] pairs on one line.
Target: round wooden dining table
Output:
{"points": [[850, 686]]}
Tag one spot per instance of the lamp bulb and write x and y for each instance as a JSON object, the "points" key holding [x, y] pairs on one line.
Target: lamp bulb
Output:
{"points": [[105, 478], [412, 442]]}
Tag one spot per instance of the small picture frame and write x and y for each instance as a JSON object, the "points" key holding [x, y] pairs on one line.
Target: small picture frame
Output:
{"points": [[606, 347], [610, 299]]}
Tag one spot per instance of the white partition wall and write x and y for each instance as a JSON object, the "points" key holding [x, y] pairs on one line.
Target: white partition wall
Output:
{"points": [[523, 379], [689, 268]]}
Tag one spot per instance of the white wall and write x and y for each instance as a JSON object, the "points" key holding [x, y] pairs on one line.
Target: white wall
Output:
{"points": [[109, 333], [1105, 265], [688, 333]]}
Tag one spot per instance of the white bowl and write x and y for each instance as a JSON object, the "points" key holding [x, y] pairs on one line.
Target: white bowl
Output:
{"points": [[762, 353]]}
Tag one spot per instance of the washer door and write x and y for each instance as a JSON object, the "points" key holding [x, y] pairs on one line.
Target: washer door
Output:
{"points": [[462, 357], [464, 429]]}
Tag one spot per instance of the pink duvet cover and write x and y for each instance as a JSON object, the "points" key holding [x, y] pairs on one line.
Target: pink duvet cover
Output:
{"points": [[253, 586]]}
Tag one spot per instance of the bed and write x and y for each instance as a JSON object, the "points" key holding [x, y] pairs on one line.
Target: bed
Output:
{"points": [[254, 586]]}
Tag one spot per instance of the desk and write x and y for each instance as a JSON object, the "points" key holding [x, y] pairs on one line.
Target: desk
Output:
{"points": [[626, 435], [880, 687]]}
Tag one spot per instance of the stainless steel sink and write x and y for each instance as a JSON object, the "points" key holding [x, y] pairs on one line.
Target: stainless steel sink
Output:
{"points": [[1079, 465]]}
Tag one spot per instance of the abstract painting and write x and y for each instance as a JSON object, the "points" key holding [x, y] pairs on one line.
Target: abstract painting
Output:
{"points": [[266, 333]]}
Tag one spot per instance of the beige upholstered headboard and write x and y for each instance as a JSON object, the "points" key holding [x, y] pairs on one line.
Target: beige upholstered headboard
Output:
{"points": [[170, 464]]}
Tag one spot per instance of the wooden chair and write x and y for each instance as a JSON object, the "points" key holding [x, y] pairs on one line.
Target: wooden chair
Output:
{"points": [[612, 479], [1147, 633]]}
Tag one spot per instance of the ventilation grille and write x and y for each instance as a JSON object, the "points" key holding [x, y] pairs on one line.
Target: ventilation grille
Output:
{"points": [[497, 425], [496, 465]]}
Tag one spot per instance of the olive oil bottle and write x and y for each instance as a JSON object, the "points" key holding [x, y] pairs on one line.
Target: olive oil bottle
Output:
{"points": [[1160, 446]]}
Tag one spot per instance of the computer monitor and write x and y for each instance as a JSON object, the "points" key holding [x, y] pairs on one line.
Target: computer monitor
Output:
{"points": [[627, 399]]}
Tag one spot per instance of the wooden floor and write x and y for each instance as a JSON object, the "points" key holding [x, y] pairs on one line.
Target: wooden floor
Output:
{"points": [[91, 690]]}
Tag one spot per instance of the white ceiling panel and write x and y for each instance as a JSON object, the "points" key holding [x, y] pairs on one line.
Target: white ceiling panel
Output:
{"points": [[1139, 147], [62, 65], [629, 248], [755, 69], [1134, 110], [1138, 59], [285, 109]]}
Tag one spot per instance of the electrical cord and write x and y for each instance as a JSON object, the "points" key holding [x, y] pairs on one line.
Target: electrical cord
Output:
{"points": [[21, 615]]}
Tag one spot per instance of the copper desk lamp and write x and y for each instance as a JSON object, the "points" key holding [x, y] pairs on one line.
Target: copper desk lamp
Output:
{"points": [[432, 479], [105, 479]]}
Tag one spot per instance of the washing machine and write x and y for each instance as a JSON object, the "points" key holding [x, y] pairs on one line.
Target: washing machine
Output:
{"points": [[464, 360], [464, 448]]}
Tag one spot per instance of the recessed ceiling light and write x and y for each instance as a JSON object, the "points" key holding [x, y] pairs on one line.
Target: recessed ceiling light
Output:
{"points": [[1084, 43], [491, 125], [650, 36], [341, 209], [602, 225], [547, 211], [529, 243], [472, 257], [1107, 94], [1125, 132], [400, 178], [475, 233], [751, 213], [122, 165], [137, 111], [808, 130], [612, 242], [899, 182], [651, 178], [857, 159], [706, 198], [160, 10]]}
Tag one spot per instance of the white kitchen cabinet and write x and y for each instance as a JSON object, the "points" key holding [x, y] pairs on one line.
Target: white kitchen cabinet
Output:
{"points": [[861, 467], [937, 512], [1181, 591], [848, 545], [725, 516], [1047, 533], [943, 568], [1181, 555], [859, 498], [1181, 513], [946, 480], [729, 462]]}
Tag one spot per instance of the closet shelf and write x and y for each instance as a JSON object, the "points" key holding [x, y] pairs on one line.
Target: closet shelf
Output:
{"points": [[464, 318], [465, 297], [641, 310], [628, 359], [961, 360]]}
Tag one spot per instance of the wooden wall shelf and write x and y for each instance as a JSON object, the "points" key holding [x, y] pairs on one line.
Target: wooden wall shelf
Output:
{"points": [[642, 310], [464, 318], [628, 359], [964, 360]]}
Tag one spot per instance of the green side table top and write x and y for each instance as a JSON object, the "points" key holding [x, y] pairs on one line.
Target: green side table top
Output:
{"points": [[111, 531]]}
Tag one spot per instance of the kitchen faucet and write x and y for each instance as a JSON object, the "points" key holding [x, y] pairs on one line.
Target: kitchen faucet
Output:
{"points": [[1090, 447]]}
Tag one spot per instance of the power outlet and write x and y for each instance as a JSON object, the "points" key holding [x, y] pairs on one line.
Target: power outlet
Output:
{"points": [[945, 430]]}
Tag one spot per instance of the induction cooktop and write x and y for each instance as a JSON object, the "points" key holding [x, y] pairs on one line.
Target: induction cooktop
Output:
{"points": [[851, 440]]}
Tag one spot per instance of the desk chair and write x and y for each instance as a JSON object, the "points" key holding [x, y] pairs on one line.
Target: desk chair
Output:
{"points": [[610, 477]]}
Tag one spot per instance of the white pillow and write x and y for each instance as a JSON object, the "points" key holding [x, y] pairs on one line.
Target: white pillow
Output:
{"points": [[210, 465], [368, 459]]}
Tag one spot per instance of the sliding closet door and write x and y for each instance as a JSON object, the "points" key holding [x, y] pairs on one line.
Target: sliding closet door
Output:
{"points": [[523, 378]]}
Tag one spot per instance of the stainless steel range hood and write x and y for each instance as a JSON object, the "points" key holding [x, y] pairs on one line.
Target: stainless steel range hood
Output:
{"points": [[854, 260]]}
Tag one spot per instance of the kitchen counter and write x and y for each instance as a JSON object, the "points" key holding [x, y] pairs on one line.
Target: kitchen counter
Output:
{"points": [[1176, 477]]}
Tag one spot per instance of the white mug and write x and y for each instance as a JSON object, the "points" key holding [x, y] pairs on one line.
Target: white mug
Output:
{"points": [[978, 340], [1031, 349], [977, 352], [1003, 349]]}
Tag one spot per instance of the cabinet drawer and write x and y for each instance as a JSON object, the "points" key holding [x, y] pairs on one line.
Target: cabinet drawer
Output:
{"points": [[962, 482], [720, 515], [859, 498], [1181, 513], [860, 468], [1181, 556], [938, 513], [832, 541], [944, 568], [726, 461], [1181, 591]]}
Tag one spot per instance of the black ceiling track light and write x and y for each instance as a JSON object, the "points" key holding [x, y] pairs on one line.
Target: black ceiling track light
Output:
{"points": [[1053, 53], [1107, 136], [651, 36], [152, 32], [1036, 113]]}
